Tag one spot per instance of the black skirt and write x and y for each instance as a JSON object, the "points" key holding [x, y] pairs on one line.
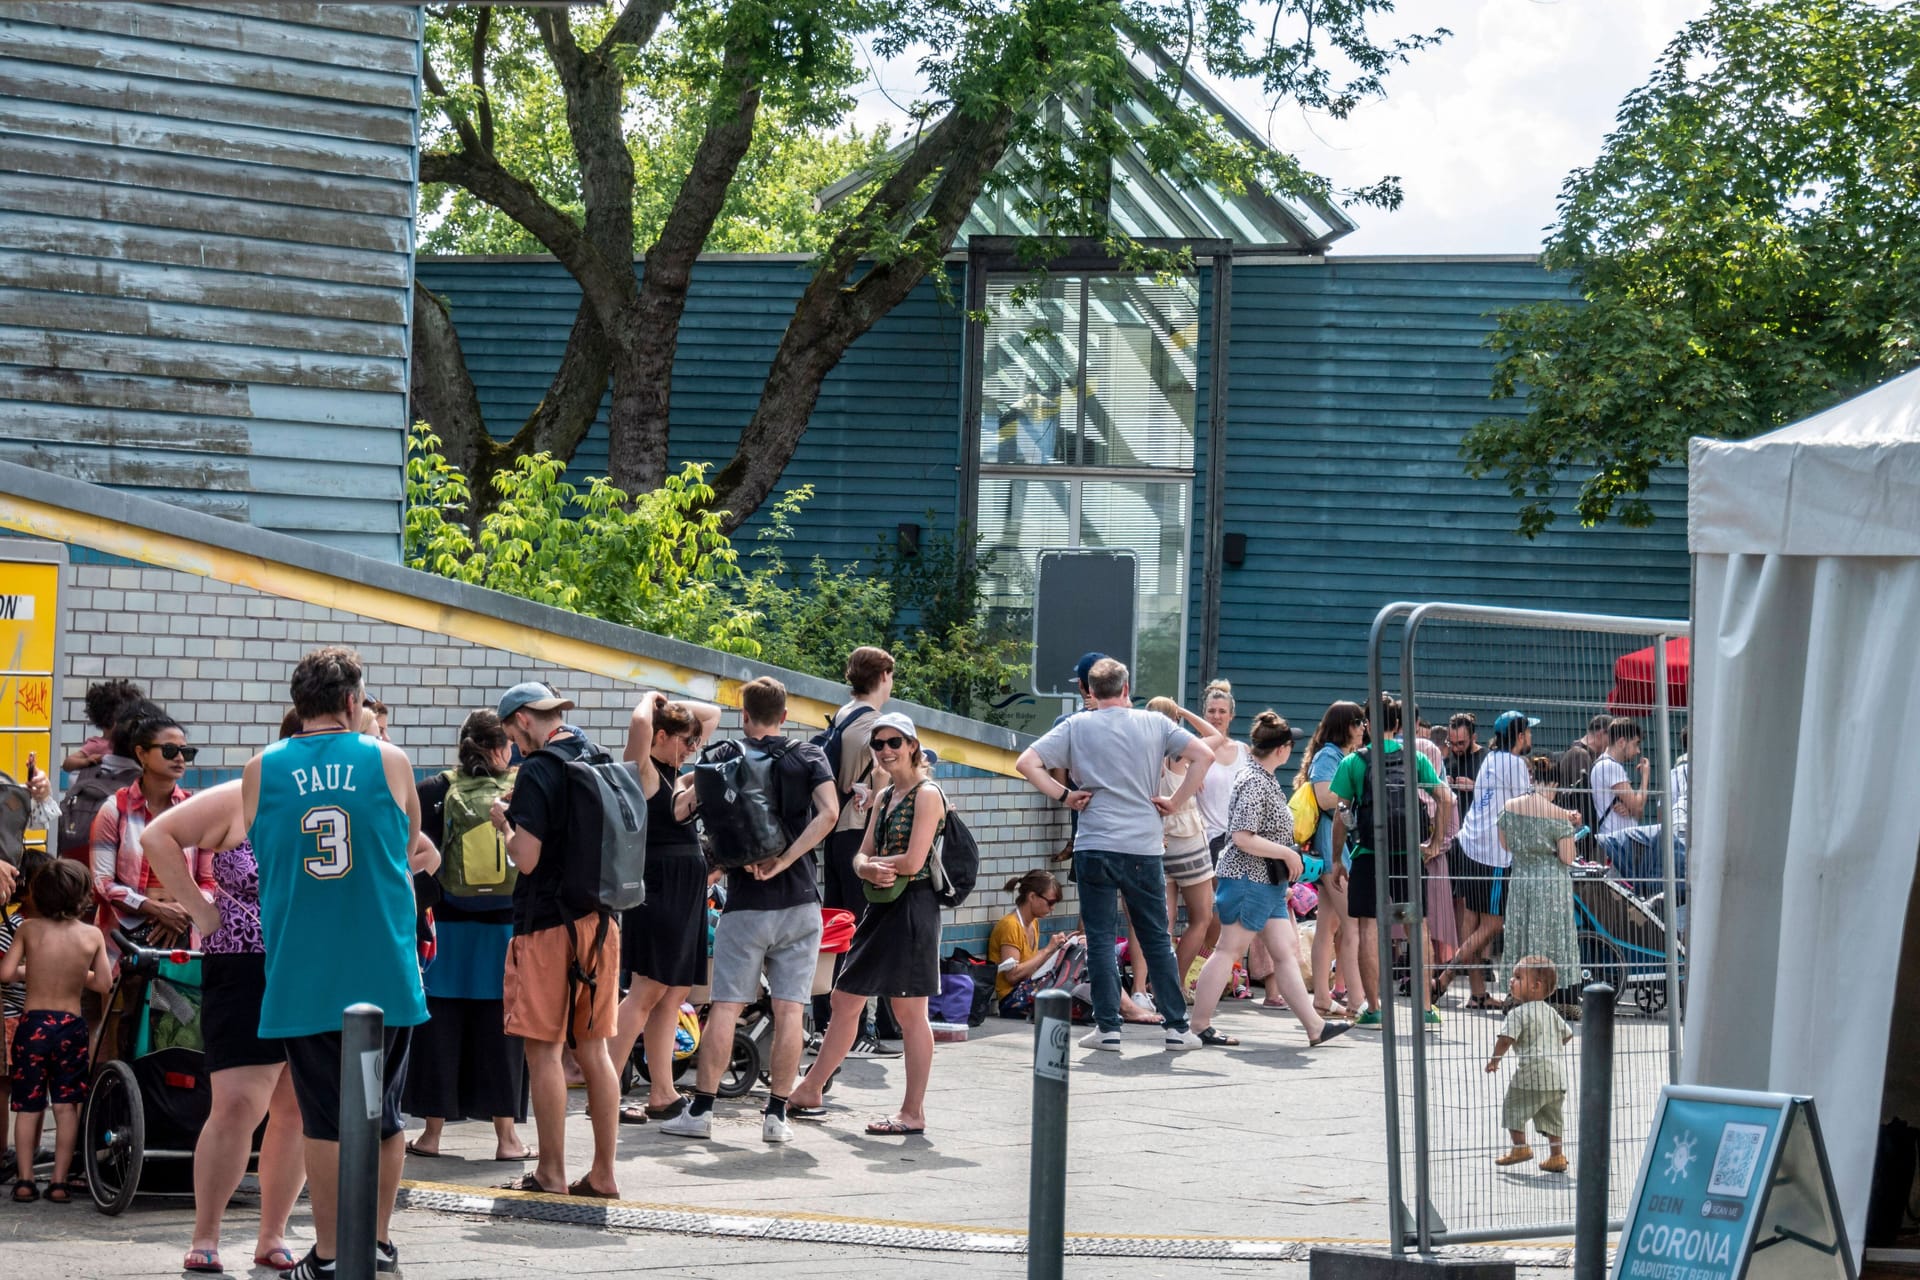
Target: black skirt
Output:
{"points": [[896, 949], [231, 989], [665, 938], [463, 1065]]}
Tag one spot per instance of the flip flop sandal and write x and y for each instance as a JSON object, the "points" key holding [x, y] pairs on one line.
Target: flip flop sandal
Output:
{"points": [[207, 1260], [805, 1113], [892, 1129], [425, 1155], [533, 1153], [528, 1182], [1212, 1036], [1328, 1031], [667, 1112], [633, 1114], [25, 1191], [280, 1259], [585, 1188]]}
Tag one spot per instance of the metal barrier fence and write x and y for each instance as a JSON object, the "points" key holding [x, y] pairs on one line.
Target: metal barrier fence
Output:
{"points": [[1446, 1121]]}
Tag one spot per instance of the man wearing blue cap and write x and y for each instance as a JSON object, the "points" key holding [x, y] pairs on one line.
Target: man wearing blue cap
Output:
{"points": [[1476, 860]]}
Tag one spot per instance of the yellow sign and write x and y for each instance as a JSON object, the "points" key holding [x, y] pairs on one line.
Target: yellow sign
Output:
{"points": [[29, 644]]}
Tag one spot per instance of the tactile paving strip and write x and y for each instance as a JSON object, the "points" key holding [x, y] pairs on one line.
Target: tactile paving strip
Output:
{"points": [[821, 1228]]}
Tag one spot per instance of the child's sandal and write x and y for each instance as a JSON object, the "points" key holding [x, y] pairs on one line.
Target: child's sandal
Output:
{"points": [[25, 1191]]}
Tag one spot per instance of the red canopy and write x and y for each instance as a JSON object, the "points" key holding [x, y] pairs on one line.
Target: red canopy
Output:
{"points": [[1633, 692]]}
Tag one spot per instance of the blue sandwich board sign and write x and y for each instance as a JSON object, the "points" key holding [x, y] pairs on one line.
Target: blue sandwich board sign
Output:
{"points": [[1733, 1186]]}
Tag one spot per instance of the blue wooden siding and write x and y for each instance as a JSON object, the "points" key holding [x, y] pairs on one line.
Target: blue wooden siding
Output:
{"points": [[1351, 385], [207, 214], [882, 447]]}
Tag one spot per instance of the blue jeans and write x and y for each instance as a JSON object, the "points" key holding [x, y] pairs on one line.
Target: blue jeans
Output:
{"points": [[1104, 878]]}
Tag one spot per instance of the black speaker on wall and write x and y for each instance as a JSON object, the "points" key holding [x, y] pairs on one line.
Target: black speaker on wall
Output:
{"points": [[1233, 549]]}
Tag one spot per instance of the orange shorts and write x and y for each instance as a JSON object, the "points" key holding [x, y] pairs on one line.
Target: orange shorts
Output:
{"points": [[535, 987]]}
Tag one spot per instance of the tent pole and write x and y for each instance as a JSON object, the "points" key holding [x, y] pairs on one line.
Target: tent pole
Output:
{"points": [[1663, 761]]}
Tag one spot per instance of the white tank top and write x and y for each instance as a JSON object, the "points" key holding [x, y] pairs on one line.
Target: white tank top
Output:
{"points": [[1216, 788]]}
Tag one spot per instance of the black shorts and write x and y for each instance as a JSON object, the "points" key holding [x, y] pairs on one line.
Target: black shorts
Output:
{"points": [[1481, 887], [1361, 885], [315, 1064], [232, 987]]}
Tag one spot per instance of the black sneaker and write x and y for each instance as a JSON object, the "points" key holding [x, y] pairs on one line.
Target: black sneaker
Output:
{"points": [[311, 1268], [865, 1046], [386, 1259]]}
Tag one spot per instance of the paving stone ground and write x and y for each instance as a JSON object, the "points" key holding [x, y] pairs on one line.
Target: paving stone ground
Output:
{"points": [[1271, 1140]]}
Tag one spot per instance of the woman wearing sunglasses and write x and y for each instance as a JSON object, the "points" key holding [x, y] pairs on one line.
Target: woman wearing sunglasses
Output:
{"points": [[896, 949], [132, 898]]}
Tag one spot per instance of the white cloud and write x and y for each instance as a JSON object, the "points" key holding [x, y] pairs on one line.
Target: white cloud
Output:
{"points": [[1481, 130]]}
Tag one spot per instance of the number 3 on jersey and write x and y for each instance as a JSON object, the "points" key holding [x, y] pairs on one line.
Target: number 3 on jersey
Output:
{"points": [[333, 836]]}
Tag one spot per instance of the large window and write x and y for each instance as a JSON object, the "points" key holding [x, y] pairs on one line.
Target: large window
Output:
{"points": [[1086, 440]]}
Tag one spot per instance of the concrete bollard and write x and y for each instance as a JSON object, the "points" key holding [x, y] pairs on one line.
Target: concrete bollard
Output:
{"points": [[362, 1070], [1047, 1176]]}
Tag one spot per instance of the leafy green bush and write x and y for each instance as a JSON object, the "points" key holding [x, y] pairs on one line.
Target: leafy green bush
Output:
{"points": [[658, 562]]}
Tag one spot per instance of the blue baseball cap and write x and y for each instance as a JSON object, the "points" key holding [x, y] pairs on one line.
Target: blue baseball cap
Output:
{"points": [[1509, 723], [532, 695], [1085, 665]]}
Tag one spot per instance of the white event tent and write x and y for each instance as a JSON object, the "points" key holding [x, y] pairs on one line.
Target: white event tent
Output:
{"points": [[1806, 785]]}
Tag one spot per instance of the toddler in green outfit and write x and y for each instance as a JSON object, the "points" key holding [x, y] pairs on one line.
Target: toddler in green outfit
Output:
{"points": [[1536, 1034]]}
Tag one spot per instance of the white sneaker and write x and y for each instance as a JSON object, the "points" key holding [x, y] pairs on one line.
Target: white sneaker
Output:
{"points": [[1177, 1040], [1145, 1001], [1098, 1039], [775, 1129], [689, 1125]]}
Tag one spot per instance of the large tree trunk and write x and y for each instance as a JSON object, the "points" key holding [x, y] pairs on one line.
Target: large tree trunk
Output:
{"points": [[639, 424], [831, 315]]}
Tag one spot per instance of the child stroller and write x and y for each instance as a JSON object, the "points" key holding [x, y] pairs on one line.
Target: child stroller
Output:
{"points": [[150, 1096], [1623, 937]]}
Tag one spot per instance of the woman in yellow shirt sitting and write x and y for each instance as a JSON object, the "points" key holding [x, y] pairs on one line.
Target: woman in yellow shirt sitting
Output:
{"points": [[1014, 945]]}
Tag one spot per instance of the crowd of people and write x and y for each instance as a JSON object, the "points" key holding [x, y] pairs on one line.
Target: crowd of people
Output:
{"points": [[500, 923]]}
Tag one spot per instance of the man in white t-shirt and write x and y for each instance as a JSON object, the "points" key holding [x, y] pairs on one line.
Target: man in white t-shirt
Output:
{"points": [[1476, 860], [1617, 803], [1115, 754]]}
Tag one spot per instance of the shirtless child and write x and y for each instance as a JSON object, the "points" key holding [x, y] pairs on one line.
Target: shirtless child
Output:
{"points": [[60, 957]]}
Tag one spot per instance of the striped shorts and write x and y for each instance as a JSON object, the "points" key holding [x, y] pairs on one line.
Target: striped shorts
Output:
{"points": [[1192, 867]]}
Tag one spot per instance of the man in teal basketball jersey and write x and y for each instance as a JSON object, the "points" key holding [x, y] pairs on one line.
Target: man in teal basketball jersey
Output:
{"points": [[332, 815]]}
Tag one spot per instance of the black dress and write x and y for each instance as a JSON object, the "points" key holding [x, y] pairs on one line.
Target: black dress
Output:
{"points": [[896, 948], [665, 938]]}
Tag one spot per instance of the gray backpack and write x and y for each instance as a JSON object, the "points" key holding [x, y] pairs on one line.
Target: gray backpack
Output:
{"points": [[606, 865]]}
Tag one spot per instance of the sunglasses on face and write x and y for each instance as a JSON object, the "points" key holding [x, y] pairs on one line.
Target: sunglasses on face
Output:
{"points": [[174, 751], [888, 744]]}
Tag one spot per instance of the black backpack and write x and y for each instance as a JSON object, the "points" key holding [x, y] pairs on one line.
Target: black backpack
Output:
{"points": [[1395, 780], [956, 861], [16, 805], [829, 740], [605, 805], [92, 787], [738, 792]]}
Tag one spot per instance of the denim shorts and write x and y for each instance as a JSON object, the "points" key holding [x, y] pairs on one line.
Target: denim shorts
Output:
{"points": [[784, 942], [1248, 903]]}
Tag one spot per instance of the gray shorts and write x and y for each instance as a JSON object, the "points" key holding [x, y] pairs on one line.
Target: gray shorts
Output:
{"points": [[785, 943]]}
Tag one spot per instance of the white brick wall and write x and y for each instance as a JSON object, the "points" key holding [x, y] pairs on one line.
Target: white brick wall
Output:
{"points": [[219, 656]]}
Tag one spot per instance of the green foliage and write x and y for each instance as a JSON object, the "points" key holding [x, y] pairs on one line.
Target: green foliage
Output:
{"points": [[659, 562], [769, 208], [1747, 247]]}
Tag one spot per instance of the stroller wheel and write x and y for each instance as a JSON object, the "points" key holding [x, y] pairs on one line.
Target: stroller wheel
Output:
{"points": [[743, 1070], [113, 1137]]}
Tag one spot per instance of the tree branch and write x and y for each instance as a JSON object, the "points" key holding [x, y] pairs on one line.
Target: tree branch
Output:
{"points": [[484, 176], [594, 89], [635, 25], [482, 30]]}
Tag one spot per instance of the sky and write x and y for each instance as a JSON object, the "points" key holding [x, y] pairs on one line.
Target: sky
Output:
{"points": [[1481, 130]]}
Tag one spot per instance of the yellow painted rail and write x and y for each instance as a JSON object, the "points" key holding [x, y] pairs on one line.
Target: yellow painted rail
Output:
{"points": [[311, 586]]}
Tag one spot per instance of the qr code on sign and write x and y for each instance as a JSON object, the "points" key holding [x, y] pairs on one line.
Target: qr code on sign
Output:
{"points": [[1737, 1160]]}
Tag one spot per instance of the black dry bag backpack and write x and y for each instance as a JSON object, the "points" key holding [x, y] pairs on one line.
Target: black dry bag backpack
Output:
{"points": [[738, 791]]}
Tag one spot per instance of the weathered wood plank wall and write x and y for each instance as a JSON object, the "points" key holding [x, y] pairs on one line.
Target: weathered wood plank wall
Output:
{"points": [[206, 241]]}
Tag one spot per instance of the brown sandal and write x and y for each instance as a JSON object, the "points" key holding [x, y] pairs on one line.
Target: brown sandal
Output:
{"points": [[586, 1188]]}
